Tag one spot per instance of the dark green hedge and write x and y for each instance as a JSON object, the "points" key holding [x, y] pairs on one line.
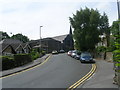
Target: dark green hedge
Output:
{"points": [[15, 61], [21, 59], [18, 60], [7, 62]]}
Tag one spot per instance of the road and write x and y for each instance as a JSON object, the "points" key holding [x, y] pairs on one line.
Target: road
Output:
{"points": [[60, 71]]}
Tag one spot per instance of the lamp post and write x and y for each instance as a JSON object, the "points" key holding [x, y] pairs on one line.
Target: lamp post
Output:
{"points": [[118, 8], [40, 38]]}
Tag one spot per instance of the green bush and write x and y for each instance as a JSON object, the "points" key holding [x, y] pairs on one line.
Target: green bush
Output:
{"points": [[7, 62], [21, 59], [43, 52], [34, 55], [116, 55], [116, 59], [109, 49], [101, 49]]}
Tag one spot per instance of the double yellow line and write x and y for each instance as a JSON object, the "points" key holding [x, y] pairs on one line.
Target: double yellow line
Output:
{"points": [[26, 69], [79, 82]]}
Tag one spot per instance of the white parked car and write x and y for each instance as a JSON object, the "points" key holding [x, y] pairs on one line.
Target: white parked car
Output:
{"points": [[54, 52]]}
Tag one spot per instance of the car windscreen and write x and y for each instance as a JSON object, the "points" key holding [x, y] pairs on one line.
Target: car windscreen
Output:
{"points": [[85, 55]]}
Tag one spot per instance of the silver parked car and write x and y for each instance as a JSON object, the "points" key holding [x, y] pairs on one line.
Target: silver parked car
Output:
{"points": [[76, 54], [73, 53]]}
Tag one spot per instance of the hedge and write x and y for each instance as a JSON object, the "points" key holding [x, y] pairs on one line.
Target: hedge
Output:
{"points": [[18, 60], [7, 62], [21, 59], [15, 61]]}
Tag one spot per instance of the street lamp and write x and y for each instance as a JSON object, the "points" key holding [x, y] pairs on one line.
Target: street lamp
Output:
{"points": [[118, 8], [40, 38], [118, 5]]}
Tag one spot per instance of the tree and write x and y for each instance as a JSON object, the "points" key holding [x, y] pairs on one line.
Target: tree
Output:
{"points": [[104, 27], [3, 35], [20, 37], [86, 24], [114, 28]]}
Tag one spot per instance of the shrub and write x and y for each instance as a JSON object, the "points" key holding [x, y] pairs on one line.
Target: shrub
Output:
{"points": [[37, 55], [110, 49], [34, 55], [116, 55], [43, 52], [101, 49]]}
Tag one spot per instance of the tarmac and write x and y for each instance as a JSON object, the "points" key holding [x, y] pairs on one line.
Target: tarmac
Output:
{"points": [[103, 77]]}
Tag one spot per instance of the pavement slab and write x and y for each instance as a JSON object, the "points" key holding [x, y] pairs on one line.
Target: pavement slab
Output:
{"points": [[103, 77]]}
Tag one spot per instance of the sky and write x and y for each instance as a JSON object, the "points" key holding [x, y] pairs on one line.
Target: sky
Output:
{"points": [[26, 16]]}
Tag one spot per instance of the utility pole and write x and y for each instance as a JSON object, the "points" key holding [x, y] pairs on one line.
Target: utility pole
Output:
{"points": [[40, 38]]}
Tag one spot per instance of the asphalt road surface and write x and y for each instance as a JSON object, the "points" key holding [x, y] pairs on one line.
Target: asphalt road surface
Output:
{"points": [[60, 71]]}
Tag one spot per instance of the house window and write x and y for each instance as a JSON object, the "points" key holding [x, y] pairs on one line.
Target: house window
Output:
{"points": [[17, 52], [20, 51], [7, 54]]}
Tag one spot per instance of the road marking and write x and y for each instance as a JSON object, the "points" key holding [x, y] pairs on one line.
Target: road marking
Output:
{"points": [[26, 69], [87, 76]]}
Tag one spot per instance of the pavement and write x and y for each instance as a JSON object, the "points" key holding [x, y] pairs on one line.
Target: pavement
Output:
{"points": [[103, 77], [24, 67]]}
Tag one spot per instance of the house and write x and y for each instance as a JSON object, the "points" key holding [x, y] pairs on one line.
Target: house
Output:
{"points": [[26, 47], [18, 48], [11, 46], [47, 44], [7, 50], [33, 43]]}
